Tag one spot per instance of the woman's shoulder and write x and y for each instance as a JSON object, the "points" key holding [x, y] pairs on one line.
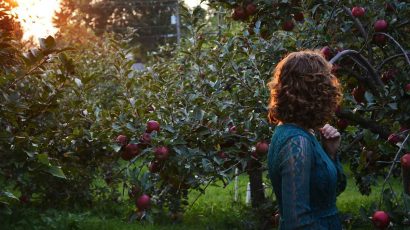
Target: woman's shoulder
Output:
{"points": [[284, 132]]}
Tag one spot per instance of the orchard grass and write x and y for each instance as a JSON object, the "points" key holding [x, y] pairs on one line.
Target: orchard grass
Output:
{"points": [[216, 209]]}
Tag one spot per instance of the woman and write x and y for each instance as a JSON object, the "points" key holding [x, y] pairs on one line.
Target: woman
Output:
{"points": [[306, 175]]}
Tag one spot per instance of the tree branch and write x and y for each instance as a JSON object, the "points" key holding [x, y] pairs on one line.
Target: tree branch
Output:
{"points": [[396, 157], [398, 44], [361, 29], [379, 67], [374, 82], [372, 125]]}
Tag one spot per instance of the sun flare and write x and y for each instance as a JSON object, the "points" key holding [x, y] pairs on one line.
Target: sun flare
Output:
{"points": [[36, 17]]}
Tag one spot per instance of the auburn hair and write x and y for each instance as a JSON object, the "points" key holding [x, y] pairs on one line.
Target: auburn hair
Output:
{"points": [[303, 90]]}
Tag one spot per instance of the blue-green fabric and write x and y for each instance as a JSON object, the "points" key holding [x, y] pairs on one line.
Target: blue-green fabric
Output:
{"points": [[305, 179]]}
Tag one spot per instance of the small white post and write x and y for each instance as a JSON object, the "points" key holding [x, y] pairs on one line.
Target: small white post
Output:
{"points": [[248, 194], [236, 185]]}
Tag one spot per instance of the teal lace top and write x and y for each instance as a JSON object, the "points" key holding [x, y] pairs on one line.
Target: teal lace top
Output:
{"points": [[305, 179]]}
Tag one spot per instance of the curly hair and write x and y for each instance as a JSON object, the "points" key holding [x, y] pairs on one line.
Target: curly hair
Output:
{"points": [[303, 90]]}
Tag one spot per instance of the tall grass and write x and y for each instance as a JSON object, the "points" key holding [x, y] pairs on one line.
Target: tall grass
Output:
{"points": [[216, 209]]}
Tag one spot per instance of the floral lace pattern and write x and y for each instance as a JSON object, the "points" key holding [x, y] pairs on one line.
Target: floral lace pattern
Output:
{"points": [[305, 180]]}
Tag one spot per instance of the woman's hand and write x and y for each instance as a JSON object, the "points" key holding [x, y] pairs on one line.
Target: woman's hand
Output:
{"points": [[330, 140]]}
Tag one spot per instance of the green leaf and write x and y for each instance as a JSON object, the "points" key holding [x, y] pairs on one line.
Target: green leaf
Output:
{"points": [[393, 106], [116, 127], [43, 159], [370, 138], [169, 128], [57, 172], [363, 212], [369, 97], [9, 195], [6, 210], [30, 153], [207, 165], [131, 127], [116, 147], [198, 114], [47, 43]]}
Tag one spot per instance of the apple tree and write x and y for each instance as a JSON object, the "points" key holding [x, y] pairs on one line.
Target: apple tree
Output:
{"points": [[367, 42]]}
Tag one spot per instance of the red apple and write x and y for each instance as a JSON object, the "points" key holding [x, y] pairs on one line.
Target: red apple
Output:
{"points": [[161, 153], [335, 68], [288, 25], [380, 25], [358, 94], [342, 124], [130, 151], [122, 140], [239, 13], [381, 219], [299, 17], [222, 155], [143, 202], [24, 199], [389, 7], [146, 138], [255, 155], [379, 39], [407, 88], [154, 166], [262, 147], [326, 52], [405, 161], [152, 126], [388, 75], [394, 138], [251, 9], [232, 129], [358, 11]]}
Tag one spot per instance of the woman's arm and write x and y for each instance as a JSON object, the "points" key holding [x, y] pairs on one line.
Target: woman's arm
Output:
{"points": [[295, 173], [341, 176], [331, 141]]}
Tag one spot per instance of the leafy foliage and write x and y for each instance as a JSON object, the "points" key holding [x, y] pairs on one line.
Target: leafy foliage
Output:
{"points": [[63, 107]]}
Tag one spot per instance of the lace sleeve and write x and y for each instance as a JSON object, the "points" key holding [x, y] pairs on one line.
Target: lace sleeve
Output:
{"points": [[295, 172], [341, 177]]}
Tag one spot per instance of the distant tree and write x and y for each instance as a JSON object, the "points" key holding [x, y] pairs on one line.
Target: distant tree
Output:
{"points": [[9, 30], [8, 23], [151, 22], [65, 15]]}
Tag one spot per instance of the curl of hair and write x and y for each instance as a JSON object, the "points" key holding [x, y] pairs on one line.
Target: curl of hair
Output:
{"points": [[303, 90]]}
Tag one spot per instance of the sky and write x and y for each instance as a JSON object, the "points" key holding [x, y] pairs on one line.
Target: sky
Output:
{"points": [[193, 3]]}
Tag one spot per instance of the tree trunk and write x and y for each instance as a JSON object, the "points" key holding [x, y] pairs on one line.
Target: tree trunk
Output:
{"points": [[256, 183]]}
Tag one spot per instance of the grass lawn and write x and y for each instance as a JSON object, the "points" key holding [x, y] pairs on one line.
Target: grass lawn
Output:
{"points": [[216, 209]]}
